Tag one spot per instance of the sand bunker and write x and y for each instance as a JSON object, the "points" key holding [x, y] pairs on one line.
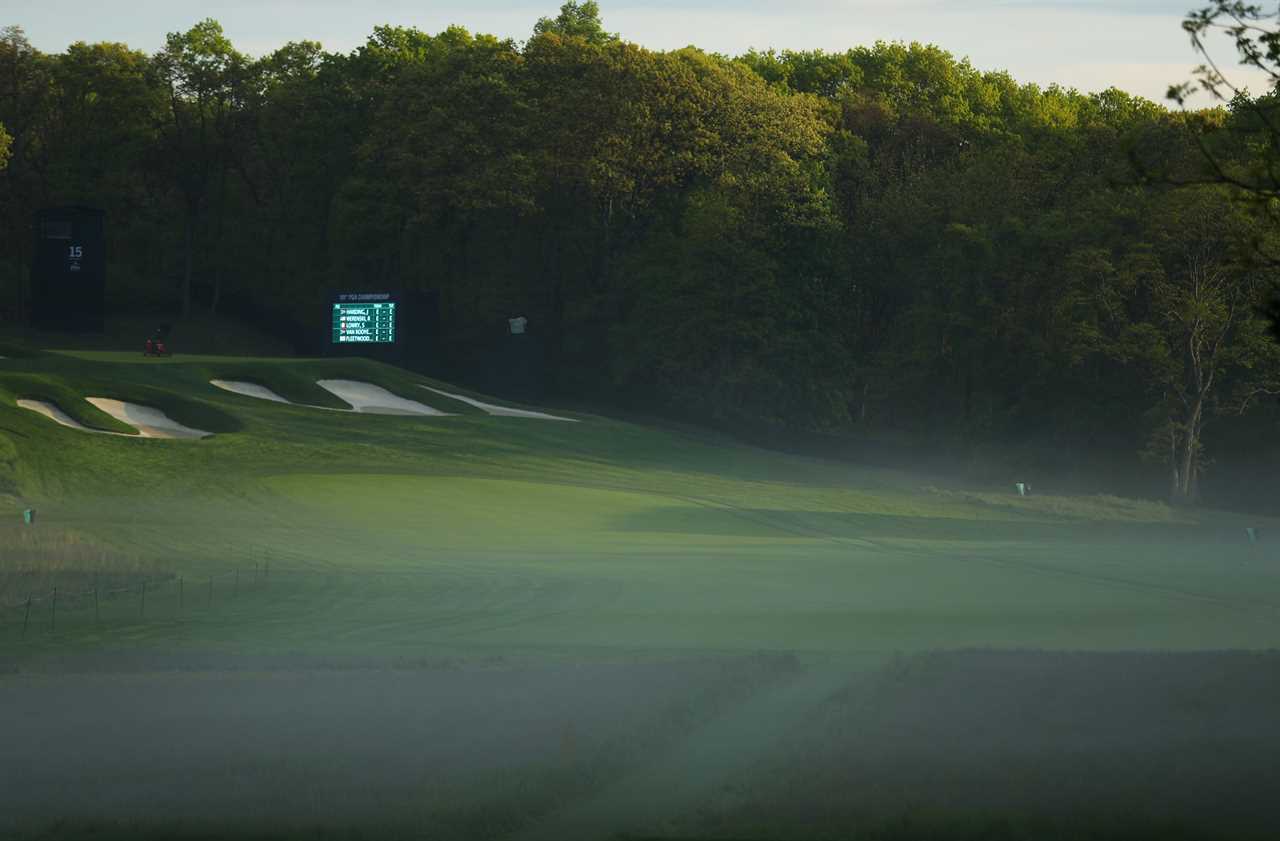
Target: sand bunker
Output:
{"points": [[372, 399], [150, 423], [56, 415], [249, 390], [501, 411]]}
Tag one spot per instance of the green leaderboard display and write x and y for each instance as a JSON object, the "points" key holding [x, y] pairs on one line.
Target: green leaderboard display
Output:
{"points": [[364, 322]]}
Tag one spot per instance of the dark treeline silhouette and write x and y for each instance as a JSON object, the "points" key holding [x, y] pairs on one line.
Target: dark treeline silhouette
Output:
{"points": [[884, 244]]}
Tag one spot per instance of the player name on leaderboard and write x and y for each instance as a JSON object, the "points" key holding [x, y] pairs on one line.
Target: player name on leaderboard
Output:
{"points": [[364, 322]]}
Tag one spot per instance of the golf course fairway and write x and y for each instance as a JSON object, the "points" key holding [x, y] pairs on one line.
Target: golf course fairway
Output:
{"points": [[607, 607]]}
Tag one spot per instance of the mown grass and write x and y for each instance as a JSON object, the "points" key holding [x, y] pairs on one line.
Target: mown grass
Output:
{"points": [[912, 826], [600, 533], [1019, 745], [584, 740], [473, 537]]}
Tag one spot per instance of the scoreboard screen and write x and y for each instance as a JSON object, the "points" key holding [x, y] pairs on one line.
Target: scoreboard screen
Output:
{"points": [[364, 317]]}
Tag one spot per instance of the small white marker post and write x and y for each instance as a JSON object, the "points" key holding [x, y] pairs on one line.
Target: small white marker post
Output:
{"points": [[1022, 488]]}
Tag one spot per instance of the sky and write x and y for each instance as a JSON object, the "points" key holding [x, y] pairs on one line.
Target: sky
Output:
{"points": [[1135, 45]]}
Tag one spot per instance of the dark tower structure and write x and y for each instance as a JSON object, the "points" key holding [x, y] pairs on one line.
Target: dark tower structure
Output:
{"points": [[69, 270]]}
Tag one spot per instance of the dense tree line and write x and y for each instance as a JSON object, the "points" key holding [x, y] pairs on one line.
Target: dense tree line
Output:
{"points": [[884, 242]]}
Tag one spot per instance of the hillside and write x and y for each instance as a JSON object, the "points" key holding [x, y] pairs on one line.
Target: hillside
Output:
{"points": [[882, 241], [543, 534]]}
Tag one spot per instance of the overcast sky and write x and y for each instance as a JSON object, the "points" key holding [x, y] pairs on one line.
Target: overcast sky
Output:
{"points": [[1136, 45]]}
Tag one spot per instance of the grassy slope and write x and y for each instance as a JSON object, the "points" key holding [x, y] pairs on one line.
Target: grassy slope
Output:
{"points": [[480, 533], [642, 554]]}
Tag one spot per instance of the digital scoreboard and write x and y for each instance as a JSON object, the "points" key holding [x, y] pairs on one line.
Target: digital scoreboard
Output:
{"points": [[363, 317]]}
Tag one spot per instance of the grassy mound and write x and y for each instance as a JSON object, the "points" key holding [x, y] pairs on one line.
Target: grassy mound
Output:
{"points": [[53, 389], [198, 414]]}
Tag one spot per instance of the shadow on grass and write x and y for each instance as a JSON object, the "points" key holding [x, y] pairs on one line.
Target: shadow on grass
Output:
{"points": [[773, 522], [1024, 745]]}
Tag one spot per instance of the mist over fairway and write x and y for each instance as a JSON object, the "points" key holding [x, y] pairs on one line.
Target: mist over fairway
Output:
{"points": [[497, 627], [647, 537], [525, 578]]}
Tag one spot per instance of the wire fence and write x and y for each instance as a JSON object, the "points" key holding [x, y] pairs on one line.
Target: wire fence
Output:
{"points": [[168, 597]]}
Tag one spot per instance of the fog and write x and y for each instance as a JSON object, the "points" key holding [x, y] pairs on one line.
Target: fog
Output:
{"points": [[562, 439], [765, 746]]}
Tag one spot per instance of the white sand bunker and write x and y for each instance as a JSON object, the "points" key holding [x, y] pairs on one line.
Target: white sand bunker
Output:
{"points": [[501, 411], [56, 415], [249, 390], [373, 399], [150, 423]]}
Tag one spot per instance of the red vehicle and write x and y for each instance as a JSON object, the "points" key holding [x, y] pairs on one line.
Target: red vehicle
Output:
{"points": [[155, 347]]}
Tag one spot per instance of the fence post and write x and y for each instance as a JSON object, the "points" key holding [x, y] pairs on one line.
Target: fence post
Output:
{"points": [[53, 611], [26, 616]]}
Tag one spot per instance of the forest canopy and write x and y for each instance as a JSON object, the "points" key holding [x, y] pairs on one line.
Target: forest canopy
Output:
{"points": [[884, 243]]}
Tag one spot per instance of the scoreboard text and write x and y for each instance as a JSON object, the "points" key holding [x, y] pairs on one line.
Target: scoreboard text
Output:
{"points": [[364, 322]]}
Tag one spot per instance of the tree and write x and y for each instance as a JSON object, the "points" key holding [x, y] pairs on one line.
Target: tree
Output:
{"points": [[1247, 155], [883, 240], [576, 20], [26, 97], [724, 300], [1244, 149], [1255, 34], [1210, 293], [104, 107], [208, 83], [1179, 302], [445, 154]]}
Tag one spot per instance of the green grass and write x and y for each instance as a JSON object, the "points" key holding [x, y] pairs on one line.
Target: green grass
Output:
{"points": [[308, 538], [482, 533], [14, 387]]}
